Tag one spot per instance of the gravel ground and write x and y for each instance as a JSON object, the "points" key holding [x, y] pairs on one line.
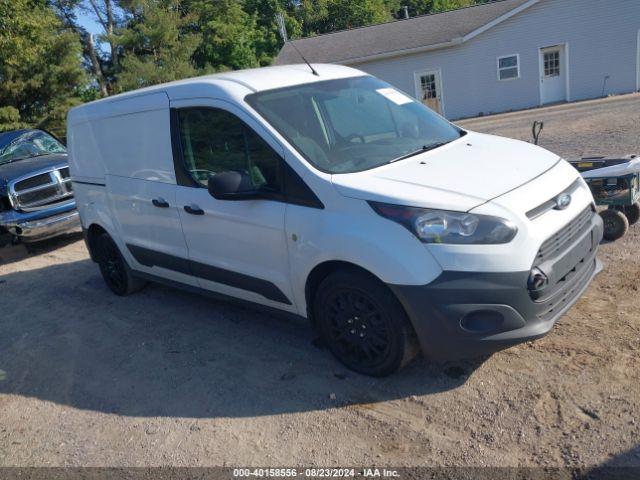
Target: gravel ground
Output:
{"points": [[169, 378]]}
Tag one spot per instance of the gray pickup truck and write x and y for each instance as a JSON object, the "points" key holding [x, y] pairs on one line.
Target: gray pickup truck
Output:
{"points": [[36, 194]]}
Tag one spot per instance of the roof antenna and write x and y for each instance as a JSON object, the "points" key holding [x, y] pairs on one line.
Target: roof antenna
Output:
{"points": [[283, 34], [313, 70]]}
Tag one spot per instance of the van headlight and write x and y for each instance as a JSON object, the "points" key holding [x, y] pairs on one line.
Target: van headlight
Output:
{"points": [[442, 226]]}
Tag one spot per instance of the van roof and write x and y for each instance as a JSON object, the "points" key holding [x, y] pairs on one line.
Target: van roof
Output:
{"points": [[255, 79]]}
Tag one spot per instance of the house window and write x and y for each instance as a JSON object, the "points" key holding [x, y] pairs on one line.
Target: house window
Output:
{"points": [[552, 63], [509, 67]]}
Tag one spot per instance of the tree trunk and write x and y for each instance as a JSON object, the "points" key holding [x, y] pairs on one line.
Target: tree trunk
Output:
{"points": [[95, 65], [110, 25]]}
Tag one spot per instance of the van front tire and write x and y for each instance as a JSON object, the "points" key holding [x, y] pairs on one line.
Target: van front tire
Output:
{"points": [[363, 324], [114, 269]]}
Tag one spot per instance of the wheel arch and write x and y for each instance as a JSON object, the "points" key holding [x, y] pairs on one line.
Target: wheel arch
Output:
{"points": [[322, 271], [91, 235]]}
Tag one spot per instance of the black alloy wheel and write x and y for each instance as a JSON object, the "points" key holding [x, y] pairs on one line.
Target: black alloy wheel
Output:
{"points": [[115, 272], [357, 328], [363, 323]]}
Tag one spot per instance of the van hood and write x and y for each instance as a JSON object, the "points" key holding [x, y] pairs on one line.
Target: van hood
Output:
{"points": [[458, 176]]}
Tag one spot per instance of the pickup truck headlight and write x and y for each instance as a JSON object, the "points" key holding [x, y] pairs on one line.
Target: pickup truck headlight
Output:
{"points": [[442, 226]]}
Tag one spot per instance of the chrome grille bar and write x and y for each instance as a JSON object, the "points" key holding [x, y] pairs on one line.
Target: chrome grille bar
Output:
{"points": [[42, 195]]}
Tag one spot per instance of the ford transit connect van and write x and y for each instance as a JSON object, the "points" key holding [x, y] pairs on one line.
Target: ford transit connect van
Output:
{"points": [[335, 197]]}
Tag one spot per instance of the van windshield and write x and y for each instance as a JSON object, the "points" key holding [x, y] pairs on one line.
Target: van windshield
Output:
{"points": [[352, 124]]}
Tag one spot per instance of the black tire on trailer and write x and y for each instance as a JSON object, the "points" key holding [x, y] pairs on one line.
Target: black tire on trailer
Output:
{"points": [[632, 212], [115, 271], [363, 323], [616, 224]]}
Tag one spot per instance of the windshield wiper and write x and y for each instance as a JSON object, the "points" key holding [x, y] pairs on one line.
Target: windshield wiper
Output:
{"points": [[424, 148]]}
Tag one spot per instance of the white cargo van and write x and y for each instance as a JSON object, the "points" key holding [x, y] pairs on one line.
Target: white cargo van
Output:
{"points": [[335, 197]]}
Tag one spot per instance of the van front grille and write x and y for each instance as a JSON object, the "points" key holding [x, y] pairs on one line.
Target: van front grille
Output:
{"points": [[562, 240], [569, 290]]}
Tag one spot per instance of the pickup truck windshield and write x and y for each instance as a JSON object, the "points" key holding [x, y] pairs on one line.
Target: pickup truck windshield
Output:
{"points": [[352, 124], [32, 143]]}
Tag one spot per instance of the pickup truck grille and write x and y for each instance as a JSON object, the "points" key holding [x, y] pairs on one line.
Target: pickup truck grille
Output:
{"points": [[41, 190], [31, 182]]}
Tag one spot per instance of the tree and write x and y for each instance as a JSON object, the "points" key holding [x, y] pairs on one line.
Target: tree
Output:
{"points": [[229, 35], [416, 7], [10, 119], [444, 5], [323, 16], [101, 63], [155, 44], [40, 66], [422, 7], [268, 40]]}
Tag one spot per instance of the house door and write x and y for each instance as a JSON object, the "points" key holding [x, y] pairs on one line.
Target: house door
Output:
{"points": [[553, 75], [429, 89]]}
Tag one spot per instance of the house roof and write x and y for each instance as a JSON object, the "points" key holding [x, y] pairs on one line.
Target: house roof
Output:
{"points": [[424, 32]]}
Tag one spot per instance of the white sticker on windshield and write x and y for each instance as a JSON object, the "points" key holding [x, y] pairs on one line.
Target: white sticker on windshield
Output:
{"points": [[394, 95]]}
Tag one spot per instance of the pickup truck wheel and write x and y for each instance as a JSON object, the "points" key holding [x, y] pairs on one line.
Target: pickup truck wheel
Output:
{"points": [[615, 224], [115, 271], [363, 324]]}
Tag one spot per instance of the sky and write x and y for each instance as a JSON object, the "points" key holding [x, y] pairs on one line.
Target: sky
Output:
{"points": [[88, 22]]}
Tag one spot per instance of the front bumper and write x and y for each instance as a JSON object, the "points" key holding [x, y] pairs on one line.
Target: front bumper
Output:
{"points": [[43, 228], [470, 314]]}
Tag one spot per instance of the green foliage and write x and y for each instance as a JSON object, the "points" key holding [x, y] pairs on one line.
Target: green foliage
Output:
{"points": [[323, 16], [155, 45], [417, 7], [444, 5], [229, 35], [40, 64], [49, 62], [56, 119], [422, 7], [267, 39], [10, 119]]}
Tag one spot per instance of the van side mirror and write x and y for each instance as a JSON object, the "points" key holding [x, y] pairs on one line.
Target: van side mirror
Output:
{"points": [[231, 185]]}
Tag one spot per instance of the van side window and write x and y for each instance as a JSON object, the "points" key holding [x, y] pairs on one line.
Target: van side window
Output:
{"points": [[215, 140]]}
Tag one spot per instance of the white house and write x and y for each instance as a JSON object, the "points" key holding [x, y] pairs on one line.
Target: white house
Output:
{"points": [[496, 57]]}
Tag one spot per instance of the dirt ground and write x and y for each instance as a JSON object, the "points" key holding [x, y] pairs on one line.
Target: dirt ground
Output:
{"points": [[169, 378]]}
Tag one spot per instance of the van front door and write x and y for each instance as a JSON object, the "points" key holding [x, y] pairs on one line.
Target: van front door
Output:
{"points": [[236, 247]]}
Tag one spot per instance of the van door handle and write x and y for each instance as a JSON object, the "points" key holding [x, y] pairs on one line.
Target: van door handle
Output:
{"points": [[193, 210], [160, 203]]}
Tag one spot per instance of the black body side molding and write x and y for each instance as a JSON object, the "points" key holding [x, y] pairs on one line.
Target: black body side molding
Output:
{"points": [[151, 258]]}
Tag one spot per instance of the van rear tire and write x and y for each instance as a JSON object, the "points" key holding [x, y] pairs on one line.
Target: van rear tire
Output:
{"points": [[363, 323], [114, 269]]}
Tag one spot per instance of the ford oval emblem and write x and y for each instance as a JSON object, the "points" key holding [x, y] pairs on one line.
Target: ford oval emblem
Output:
{"points": [[563, 201]]}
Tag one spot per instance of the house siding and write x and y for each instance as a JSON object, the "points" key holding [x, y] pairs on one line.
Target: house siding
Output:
{"points": [[602, 39]]}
